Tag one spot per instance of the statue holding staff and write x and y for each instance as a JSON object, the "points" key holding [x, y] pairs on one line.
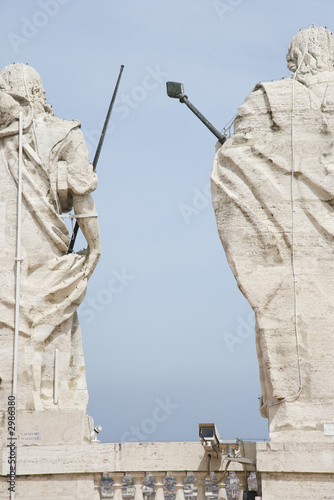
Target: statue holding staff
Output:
{"points": [[57, 177], [273, 195]]}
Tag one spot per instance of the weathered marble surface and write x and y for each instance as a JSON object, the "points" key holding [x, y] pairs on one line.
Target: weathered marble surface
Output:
{"points": [[57, 176], [302, 471], [65, 486], [251, 189]]}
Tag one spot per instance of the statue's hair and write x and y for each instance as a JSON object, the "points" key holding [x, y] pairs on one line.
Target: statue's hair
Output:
{"points": [[311, 51], [23, 80]]}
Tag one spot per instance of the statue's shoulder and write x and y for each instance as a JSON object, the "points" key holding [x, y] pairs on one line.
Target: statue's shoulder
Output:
{"points": [[264, 92], [58, 129], [56, 122], [283, 84], [280, 88], [269, 98], [277, 98]]}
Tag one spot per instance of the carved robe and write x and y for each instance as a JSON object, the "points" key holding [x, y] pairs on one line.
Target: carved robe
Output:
{"points": [[55, 166], [251, 190]]}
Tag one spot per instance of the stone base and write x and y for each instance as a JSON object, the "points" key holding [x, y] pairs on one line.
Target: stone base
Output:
{"points": [[49, 427], [54, 487], [302, 471], [41, 472], [297, 486]]}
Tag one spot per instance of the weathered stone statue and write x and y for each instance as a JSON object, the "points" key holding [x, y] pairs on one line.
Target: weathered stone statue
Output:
{"points": [[273, 195], [57, 177]]}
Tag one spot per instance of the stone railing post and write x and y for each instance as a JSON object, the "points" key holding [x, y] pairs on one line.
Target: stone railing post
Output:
{"points": [[159, 486], [117, 485], [138, 478], [222, 489], [97, 486], [242, 484], [179, 477], [201, 477]]}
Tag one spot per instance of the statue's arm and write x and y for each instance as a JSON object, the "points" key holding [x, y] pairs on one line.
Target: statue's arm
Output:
{"points": [[81, 181], [84, 206]]}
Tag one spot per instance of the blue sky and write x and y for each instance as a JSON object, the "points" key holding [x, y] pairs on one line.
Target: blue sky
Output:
{"points": [[168, 337]]}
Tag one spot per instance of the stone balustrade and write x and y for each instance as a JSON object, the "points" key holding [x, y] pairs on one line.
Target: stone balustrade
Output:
{"points": [[180, 491], [82, 462], [164, 460]]}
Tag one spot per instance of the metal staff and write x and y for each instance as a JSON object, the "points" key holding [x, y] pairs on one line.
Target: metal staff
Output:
{"points": [[98, 151], [176, 91]]}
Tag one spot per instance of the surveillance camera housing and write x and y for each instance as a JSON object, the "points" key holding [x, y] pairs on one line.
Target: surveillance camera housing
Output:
{"points": [[211, 440], [209, 435], [233, 449], [94, 433]]}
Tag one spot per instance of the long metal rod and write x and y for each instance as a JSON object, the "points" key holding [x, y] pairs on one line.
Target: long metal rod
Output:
{"points": [[98, 151], [206, 122], [17, 295], [56, 378], [106, 123], [18, 260]]}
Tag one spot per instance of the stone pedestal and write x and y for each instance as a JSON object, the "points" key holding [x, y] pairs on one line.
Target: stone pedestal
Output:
{"points": [[43, 428], [298, 471], [54, 487], [40, 436]]}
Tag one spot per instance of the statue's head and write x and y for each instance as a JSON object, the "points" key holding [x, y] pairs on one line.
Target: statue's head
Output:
{"points": [[23, 80], [311, 51], [9, 109]]}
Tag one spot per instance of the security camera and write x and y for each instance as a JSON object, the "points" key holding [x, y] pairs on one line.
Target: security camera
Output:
{"points": [[95, 432], [233, 449], [212, 441], [209, 436]]}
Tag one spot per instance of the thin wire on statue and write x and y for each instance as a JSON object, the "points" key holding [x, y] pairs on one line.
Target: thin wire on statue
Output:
{"points": [[31, 106]]}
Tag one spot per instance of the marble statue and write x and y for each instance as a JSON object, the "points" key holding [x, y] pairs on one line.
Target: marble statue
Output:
{"points": [[273, 195], [57, 177]]}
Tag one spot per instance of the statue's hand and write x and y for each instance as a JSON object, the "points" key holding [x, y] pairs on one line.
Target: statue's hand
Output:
{"points": [[90, 228]]}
